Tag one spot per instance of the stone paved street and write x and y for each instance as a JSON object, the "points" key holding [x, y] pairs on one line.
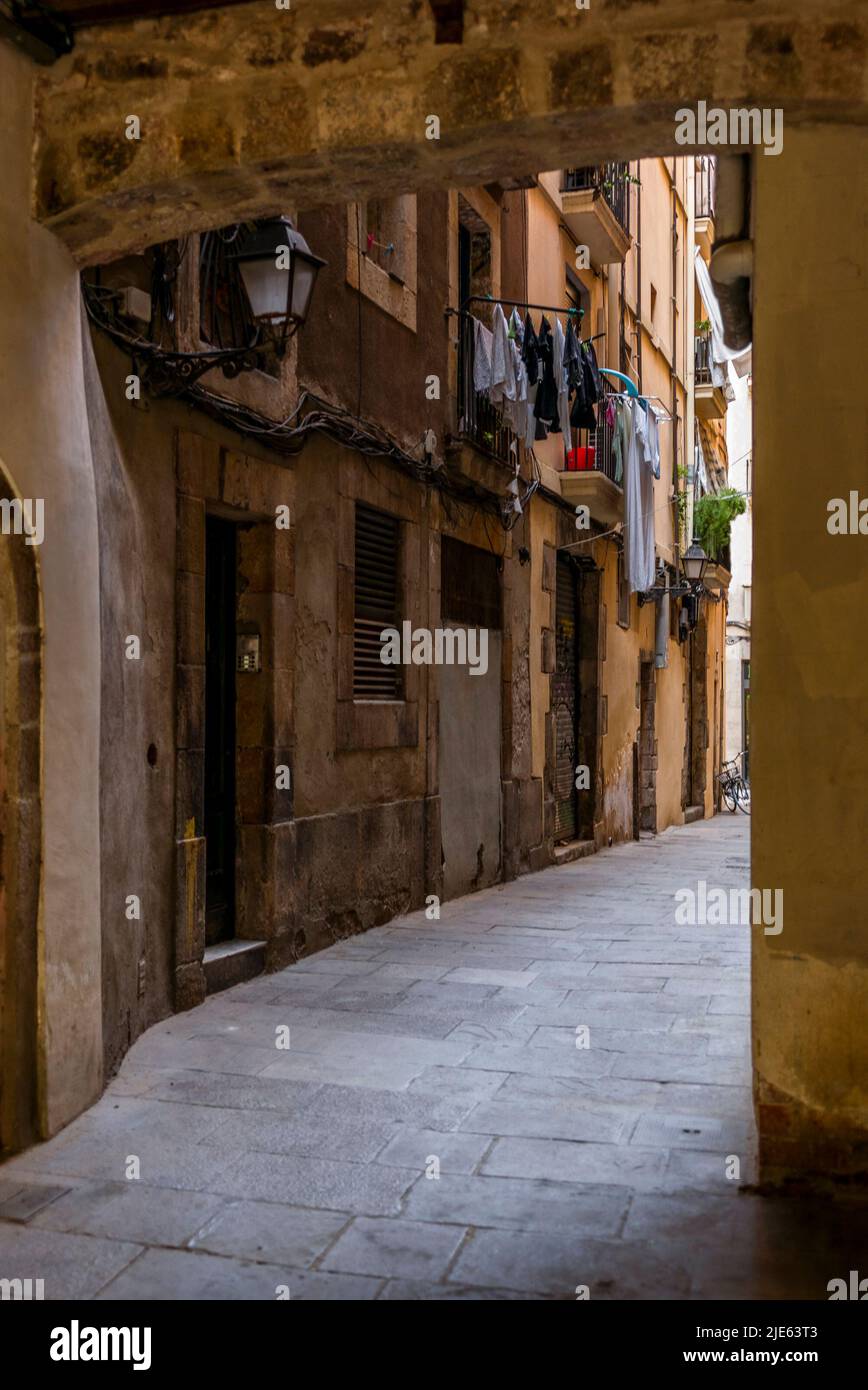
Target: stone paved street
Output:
{"points": [[452, 1041]]}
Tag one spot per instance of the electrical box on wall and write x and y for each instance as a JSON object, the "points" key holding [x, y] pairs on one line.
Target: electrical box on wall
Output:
{"points": [[247, 652]]}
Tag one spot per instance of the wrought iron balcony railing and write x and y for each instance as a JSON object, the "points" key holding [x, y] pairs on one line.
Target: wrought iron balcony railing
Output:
{"points": [[593, 450], [705, 182], [478, 420], [702, 359], [613, 182]]}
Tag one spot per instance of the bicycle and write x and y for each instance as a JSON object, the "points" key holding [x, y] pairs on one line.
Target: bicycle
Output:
{"points": [[735, 787]]}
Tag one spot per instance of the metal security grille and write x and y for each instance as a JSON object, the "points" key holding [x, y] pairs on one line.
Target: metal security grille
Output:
{"points": [[378, 539], [565, 701]]}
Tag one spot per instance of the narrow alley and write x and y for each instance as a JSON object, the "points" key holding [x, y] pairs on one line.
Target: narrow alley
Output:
{"points": [[436, 1129]]}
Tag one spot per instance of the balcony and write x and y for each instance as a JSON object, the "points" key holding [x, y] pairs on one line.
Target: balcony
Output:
{"points": [[709, 394], [596, 208], [479, 422], [704, 184], [717, 577], [594, 486]]}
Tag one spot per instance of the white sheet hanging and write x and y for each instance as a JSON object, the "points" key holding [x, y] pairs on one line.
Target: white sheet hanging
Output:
{"points": [[721, 354], [482, 344], [638, 504], [502, 369]]}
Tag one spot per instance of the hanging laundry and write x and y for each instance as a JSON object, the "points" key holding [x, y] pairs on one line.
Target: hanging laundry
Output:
{"points": [[502, 368], [620, 436], [582, 415], [482, 343], [652, 442], [593, 380], [546, 405], [515, 411], [516, 329], [572, 357], [530, 352], [638, 504], [562, 421], [648, 435]]}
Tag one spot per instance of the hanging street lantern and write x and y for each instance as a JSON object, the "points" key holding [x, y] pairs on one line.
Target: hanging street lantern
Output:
{"points": [[694, 563], [278, 271]]}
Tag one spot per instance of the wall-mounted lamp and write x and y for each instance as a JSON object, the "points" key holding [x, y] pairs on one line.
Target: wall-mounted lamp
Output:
{"points": [[278, 271], [256, 282]]}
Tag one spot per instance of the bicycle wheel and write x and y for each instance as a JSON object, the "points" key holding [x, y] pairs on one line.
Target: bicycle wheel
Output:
{"points": [[742, 796], [730, 795]]}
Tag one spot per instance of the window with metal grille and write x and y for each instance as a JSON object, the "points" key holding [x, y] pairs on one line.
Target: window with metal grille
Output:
{"points": [[377, 603]]}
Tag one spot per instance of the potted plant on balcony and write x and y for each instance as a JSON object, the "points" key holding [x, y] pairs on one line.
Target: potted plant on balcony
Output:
{"points": [[713, 516]]}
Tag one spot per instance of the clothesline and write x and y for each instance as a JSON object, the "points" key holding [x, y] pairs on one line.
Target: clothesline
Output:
{"points": [[568, 309], [664, 417], [542, 380]]}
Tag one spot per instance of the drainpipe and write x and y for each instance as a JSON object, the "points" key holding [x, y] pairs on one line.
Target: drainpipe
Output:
{"points": [[731, 264], [690, 347], [673, 375], [638, 271]]}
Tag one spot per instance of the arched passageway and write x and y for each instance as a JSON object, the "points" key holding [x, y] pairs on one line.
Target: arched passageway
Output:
{"points": [[246, 110]]}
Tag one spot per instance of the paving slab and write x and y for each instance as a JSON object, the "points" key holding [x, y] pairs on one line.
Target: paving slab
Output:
{"points": [[433, 1132]]}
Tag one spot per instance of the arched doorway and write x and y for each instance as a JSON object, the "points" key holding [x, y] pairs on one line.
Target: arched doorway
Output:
{"points": [[20, 824]]}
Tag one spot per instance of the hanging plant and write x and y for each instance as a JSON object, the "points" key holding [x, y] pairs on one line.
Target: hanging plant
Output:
{"points": [[681, 498], [713, 516]]}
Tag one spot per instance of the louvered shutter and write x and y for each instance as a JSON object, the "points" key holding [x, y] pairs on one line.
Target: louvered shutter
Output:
{"points": [[376, 604]]}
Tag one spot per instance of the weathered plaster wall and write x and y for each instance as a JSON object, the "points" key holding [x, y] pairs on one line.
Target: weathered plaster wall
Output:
{"points": [[46, 448], [810, 676], [355, 353], [135, 488], [256, 108]]}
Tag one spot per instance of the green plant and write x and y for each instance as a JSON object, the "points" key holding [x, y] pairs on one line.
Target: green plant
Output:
{"points": [[683, 473], [713, 516], [704, 326]]}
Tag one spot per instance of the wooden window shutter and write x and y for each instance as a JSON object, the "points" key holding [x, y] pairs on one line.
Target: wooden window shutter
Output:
{"points": [[377, 602]]}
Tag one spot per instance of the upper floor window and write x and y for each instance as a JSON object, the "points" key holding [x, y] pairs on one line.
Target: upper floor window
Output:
{"points": [[382, 254]]}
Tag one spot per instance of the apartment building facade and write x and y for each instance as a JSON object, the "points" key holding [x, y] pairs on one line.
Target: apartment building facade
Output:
{"points": [[259, 529]]}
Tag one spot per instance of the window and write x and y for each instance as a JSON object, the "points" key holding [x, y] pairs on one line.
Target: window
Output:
{"points": [[623, 593], [469, 585], [381, 254], [377, 603], [390, 235], [475, 268], [577, 294]]}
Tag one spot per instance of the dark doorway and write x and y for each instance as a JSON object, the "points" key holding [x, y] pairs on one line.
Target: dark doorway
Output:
{"points": [[745, 719], [565, 699], [220, 601]]}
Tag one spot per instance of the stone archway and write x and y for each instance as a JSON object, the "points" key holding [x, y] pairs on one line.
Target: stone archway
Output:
{"points": [[241, 110], [20, 825]]}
